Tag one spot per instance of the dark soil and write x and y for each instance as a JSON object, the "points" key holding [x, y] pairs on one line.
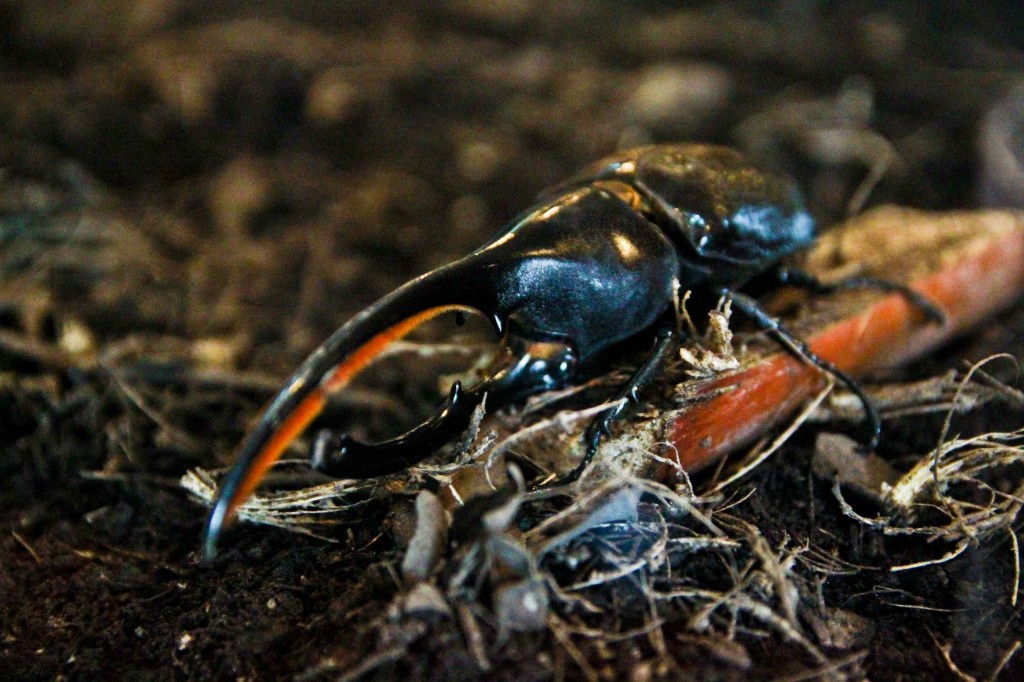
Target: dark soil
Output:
{"points": [[193, 195]]}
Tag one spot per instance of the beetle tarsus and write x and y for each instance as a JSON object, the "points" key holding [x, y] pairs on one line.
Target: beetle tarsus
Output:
{"points": [[802, 279], [629, 394], [771, 325]]}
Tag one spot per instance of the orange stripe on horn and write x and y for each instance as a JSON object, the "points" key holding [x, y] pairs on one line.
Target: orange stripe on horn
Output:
{"points": [[289, 430], [313, 404], [365, 354]]}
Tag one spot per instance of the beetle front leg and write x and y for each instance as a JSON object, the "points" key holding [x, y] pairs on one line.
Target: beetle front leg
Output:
{"points": [[802, 279], [664, 347]]}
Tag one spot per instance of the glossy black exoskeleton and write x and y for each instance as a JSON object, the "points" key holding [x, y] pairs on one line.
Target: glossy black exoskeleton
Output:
{"points": [[595, 263]]}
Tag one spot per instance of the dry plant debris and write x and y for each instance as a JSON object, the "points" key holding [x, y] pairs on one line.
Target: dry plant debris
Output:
{"points": [[962, 492], [610, 566]]}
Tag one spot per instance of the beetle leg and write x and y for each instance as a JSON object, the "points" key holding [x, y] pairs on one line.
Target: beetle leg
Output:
{"points": [[802, 279], [541, 366], [664, 347], [752, 309]]}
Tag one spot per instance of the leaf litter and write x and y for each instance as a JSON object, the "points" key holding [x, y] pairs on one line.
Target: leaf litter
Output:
{"points": [[613, 560]]}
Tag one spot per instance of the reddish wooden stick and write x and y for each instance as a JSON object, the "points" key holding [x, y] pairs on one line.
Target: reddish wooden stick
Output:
{"points": [[979, 270]]}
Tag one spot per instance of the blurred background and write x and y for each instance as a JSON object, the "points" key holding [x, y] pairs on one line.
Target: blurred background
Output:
{"points": [[287, 146]]}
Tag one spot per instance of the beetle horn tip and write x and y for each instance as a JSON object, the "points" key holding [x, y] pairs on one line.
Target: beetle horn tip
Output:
{"points": [[210, 547], [218, 518]]}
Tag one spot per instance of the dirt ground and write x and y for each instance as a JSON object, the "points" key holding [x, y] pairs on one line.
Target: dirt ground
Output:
{"points": [[193, 195]]}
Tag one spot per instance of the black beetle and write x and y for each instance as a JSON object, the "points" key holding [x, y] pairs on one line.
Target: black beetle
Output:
{"points": [[595, 263]]}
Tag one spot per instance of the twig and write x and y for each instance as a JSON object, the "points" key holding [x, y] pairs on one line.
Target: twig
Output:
{"points": [[755, 458], [24, 543], [1015, 545], [136, 399], [946, 650], [370, 663], [827, 671], [1003, 661], [34, 350]]}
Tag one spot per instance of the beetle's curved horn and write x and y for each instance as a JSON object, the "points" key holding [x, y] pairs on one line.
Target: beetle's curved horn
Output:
{"points": [[331, 366]]}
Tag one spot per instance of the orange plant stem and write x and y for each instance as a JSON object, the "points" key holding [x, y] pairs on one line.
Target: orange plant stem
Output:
{"points": [[974, 283]]}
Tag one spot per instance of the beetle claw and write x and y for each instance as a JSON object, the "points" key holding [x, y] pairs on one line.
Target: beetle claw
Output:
{"points": [[326, 445], [540, 366]]}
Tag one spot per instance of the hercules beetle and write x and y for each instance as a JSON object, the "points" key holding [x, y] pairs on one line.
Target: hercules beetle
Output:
{"points": [[596, 262]]}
